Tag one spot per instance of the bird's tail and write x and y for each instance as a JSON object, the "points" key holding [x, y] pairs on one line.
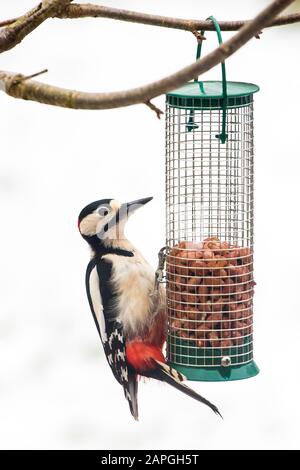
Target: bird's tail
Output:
{"points": [[167, 374], [131, 394]]}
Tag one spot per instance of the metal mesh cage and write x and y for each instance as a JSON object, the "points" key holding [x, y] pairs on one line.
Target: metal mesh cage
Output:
{"points": [[209, 214]]}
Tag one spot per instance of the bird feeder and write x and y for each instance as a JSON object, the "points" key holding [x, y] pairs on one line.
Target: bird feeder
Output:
{"points": [[209, 228]]}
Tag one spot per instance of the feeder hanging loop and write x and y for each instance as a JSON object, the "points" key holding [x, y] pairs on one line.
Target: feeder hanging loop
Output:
{"points": [[191, 124]]}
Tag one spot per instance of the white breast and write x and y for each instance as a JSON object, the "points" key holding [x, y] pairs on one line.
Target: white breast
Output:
{"points": [[133, 279]]}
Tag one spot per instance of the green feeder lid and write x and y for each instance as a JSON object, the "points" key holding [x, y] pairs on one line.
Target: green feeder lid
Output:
{"points": [[209, 95]]}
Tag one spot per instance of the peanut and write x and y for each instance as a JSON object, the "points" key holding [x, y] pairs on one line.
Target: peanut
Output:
{"points": [[203, 291], [214, 318], [212, 281], [208, 255], [193, 283], [190, 298], [237, 337], [214, 339], [175, 324], [228, 287], [221, 262], [204, 307], [215, 294], [226, 343], [217, 306], [192, 313], [202, 330], [198, 268], [225, 334]]}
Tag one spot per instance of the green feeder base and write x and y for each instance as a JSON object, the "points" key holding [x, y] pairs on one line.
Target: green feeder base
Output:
{"points": [[218, 374]]}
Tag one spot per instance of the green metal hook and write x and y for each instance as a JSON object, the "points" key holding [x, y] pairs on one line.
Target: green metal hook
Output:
{"points": [[191, 124]]}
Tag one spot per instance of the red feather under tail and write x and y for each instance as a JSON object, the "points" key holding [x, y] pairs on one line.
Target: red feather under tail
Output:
{"points": [[142, 356]]}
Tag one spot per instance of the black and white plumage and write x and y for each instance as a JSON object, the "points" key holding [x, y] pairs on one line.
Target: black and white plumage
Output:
{"points": [[103, 302], [128, 310]]}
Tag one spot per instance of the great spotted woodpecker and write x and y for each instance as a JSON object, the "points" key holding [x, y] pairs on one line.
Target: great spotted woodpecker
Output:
{"points": [[129, 313]]}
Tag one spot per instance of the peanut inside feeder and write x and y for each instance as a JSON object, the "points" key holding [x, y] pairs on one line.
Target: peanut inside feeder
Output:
{"points": [[210, 289]]}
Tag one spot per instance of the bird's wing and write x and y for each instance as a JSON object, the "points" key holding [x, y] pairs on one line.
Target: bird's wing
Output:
{"points": [[103, 306], [115, 350], [94, 297]]}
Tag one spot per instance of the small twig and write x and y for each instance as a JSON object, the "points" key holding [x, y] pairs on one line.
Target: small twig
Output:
{"points": [[154, 108], [22, 78], [257, 36], [7, 22], [200, 37]]}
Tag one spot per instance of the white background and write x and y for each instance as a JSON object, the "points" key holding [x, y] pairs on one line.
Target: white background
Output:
{"points": [[55, 389]]}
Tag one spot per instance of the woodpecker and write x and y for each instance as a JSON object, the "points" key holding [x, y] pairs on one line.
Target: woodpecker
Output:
{"points": [[128, 310]]}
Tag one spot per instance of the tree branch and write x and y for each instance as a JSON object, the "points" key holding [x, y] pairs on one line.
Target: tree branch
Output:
{"points": [[47, 94], [21, 27], [90, 10]]}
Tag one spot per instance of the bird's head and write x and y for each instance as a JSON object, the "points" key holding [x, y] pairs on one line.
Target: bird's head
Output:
{"points": [[103, 221]]}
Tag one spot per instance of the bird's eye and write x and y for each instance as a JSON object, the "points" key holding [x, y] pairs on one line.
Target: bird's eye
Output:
{"points": [[103, 211]]}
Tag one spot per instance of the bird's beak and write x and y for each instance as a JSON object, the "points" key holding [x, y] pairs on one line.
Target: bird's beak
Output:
{"points": [[134, 205]]}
